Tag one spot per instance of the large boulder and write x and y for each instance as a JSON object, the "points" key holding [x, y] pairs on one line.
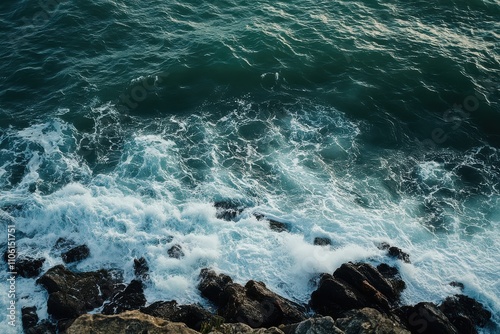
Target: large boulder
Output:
{"points": [[72, 294], [370, 321], [257, 306], [212, 284], [355, 286], [192, 315], [125, 323], [131, 298], [425, 318], [465, 312]]}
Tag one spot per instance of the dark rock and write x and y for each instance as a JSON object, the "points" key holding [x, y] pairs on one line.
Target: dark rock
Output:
{"points": [[398, 253], [132, 298], [192, 315], [63, 244], [26, 266], [369, 321], [29, 317], [458, 307], [319, 241], [43, 327], [176, 252], [387, 271], [457, 285], [257, 306], [141, 269], [322, 325], [72, 294], [354, 286], [212, 285], [76, 254], [425, 318], [228, 210], [278, 226], [394, 252]]}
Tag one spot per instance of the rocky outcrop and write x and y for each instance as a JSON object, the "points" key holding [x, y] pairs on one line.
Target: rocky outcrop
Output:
{"points": [[426, 318], [31, 325], [395, 252], [465, 312], [192, 315], [355, 286], [125, 323], [244, 329], [73, 294], [369, 321], [212, 285], [131, 298]]}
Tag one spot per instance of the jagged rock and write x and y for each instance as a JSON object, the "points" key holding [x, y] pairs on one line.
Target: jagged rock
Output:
{"points": [[228, 210], [458, 307], [394, 252], [176, 252], [369, 321], [354, 286], [72, 294], [274, 224], [323, 325], [244, 329], [425, 318], [126, 323], [141, 269], [132, 298], [212, 285], [75, 254], [192, 315], [319, 241], [257, 306], [29, 317], [387, 271], [26, 266]]}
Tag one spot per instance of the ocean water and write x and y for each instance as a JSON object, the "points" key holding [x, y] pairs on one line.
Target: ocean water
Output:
{"points": [[121, 123]]}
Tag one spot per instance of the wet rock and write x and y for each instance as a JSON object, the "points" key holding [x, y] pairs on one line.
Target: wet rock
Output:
{"points": [[72, 294], [26, 266], [63, 244], [43, 327], [319, 241], [387, 271], [175, 252], [425, 318], [141, 269], [192, 315], [273, 224], [369, 321], [228, 210], [244, 329], [126, 322], [131, 298], [322, 325], [354, 286], [29, 317], [257, 306], [75, 254], [457, 285], [460, 307], [212, 285], [394, 252]]}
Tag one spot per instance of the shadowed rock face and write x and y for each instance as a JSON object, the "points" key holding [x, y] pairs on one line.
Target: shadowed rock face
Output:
{"points": [[73, 294], [426, 318], [212, 285], [354, 286], [131, 298], [127, 322]]}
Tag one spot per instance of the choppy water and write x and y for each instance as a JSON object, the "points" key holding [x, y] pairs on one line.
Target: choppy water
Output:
{"points": [[363, 121]]}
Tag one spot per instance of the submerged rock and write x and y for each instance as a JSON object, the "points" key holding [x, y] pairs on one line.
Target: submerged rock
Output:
{"points": [[72, 294], [228, 210], [319, 241], [75, 254], [124, 323], [175, 252], [273, 224]]}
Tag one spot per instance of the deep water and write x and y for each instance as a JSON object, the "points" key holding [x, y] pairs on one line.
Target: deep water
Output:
{"points": [[121, 123]]}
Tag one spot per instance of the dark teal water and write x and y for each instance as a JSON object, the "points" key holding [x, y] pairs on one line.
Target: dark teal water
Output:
{"points": [[120, 122]]}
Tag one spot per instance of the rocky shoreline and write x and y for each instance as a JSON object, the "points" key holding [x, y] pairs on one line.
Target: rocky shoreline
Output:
{"points": [[356, 298]]}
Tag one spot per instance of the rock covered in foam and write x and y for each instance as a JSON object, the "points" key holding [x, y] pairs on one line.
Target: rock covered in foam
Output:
{"points": [[76, 254]]}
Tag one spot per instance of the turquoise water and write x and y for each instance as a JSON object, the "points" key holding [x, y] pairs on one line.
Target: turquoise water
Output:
{"points": [[362, 121]]}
